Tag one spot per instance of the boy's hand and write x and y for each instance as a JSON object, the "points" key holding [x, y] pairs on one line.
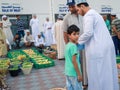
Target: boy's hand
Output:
{"points": [[80, 78]]}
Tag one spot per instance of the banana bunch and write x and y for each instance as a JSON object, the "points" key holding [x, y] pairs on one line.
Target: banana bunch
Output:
{"points": [[21, 57], [29, 51]]}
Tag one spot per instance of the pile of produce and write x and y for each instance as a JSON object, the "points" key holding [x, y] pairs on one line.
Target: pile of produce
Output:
{"points": [[40, 61], [15, 53], [20, 57], [4, 64]]}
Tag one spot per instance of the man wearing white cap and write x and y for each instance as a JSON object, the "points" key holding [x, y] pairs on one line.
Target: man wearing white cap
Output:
{"points": [[39, 41], [6, 29], [71, 18], [48, 32], [34, 23], [28, 39], [99, 49], [58, 33]]}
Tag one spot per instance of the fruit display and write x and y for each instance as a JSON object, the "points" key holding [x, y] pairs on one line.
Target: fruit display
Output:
{"points": [[29, 51], [4, 63], [13, 70], [15, 53], [18, 57], [14, 67], [42, 62], [46, 61], [39, 60], [27, 65], [21, 57]]}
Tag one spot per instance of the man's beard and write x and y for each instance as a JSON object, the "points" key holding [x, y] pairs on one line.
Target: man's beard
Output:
{"points": [[83, 13], [74, 12]]}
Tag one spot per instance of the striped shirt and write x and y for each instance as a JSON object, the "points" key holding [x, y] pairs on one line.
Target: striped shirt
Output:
{"points": [[20, 25]]}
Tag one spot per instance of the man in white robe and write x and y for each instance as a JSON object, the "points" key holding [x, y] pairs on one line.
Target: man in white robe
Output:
{"points": [[7, 30], [99, 49], [48, 32], [58, 33], [39, 41], [34, 23]]}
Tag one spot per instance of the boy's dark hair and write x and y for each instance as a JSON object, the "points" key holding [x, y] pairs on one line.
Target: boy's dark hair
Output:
{"points": [[84, 3], [72, 28]]}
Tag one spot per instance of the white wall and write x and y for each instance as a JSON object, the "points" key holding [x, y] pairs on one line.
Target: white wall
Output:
{"points": [[95, 4], [114, 4], [47, 8], [42, 8]]}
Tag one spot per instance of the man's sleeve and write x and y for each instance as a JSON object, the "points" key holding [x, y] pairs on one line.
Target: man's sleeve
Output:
{"points": [[88, 29], [65, 24]]}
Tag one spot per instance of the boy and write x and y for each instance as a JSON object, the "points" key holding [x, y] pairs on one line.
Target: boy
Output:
{"points": [[17, 41], [72, 64]]}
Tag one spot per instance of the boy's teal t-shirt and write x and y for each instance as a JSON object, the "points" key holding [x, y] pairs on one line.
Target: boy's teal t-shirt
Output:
{"points": [[70, 50]]}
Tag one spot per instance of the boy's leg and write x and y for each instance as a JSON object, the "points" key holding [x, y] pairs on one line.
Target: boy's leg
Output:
{"points": [[73, 84], [69, 83], [21, 33]]}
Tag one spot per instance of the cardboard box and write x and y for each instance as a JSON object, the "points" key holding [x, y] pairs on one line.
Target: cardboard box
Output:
{"points": [[52, 55], [54, 46]]}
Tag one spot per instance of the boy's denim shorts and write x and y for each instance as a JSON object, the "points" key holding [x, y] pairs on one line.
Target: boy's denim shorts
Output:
{"points": [[72, 83]]}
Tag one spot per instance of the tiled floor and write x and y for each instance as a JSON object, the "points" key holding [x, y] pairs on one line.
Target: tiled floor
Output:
{"points": [[40, 79]]}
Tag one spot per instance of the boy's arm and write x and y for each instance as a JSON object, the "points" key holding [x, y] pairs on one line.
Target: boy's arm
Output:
{"points": [[76, 67]]}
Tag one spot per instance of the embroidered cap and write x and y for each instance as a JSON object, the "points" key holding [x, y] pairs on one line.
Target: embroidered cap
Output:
{"points": [[70, 2], [80, 1]]}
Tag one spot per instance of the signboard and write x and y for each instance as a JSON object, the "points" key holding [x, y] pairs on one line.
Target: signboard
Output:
{"points": [[63, 8], [8, 7], [106, 9]]}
